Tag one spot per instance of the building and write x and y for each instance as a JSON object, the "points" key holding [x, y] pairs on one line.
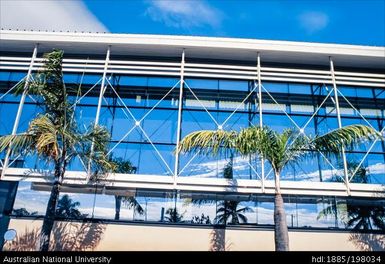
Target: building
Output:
{"points": [[133, 85]]}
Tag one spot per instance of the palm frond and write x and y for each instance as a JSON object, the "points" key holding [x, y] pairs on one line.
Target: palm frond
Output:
{"points": [[131, 202], [245, 210], [45, 135], [101, 138], [97, 135], [255, 140], [200, 202], [348, 136], [208, 142], [339, 210], [296, 149], [19, 143], [263, 141], [242, 218]]}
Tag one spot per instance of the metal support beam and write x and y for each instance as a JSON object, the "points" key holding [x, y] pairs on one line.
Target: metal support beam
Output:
{"points": [[345, 164], [260, 117], [103, 86], [179, 124], [20, 108], [101, 94]]}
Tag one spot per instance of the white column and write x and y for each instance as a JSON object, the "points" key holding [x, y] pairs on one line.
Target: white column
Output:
{"points": [[345, 164], [103, 86], [178, 130], [20, 108], [260, 117], [101, 94]]}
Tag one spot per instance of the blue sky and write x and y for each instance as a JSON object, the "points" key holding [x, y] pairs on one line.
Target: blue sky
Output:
{"points": [[354, 21], [333, 21]]}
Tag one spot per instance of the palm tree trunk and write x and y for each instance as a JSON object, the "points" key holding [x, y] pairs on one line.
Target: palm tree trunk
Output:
{"points": [[281, 233], [118, 203], [50, 214]]}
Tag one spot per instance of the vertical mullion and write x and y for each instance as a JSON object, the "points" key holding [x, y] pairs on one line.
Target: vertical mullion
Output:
{"points": [[260, 117], [178, 131], [20, 108], [101, 94], [346, 175]]}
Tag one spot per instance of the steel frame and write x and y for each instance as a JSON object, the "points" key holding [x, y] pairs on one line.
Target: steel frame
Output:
{"points": [[20, 108], [183, 69]]}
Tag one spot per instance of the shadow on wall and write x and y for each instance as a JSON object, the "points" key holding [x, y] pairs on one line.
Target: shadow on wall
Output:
{"points": [[368, 242], [218, 240], [66, 236]]}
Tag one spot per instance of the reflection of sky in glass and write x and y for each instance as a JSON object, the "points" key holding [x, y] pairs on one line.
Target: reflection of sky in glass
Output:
{"points": [[159, 127], [221, 98], [102, 206]]}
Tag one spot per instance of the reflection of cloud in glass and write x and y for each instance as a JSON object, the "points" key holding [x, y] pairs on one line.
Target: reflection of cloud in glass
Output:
{"points": [[30, 199], [105, 208], [209, 169]]}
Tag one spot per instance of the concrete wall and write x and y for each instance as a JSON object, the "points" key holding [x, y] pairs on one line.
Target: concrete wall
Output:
{"points": [[146, 237]]}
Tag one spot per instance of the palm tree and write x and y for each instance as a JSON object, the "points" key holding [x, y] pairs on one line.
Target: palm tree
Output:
{"points": [[355, 216], [55, 137], [125, 166], [365, 217], [230, 213], [280, 150], [203, 219], [67, 208], [23, 212], [173, 216]]}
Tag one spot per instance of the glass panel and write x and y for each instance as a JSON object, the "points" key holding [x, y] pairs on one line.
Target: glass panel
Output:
{"points": [[234, 85], [146, 159], [298, 88], [273, 87], [201, 83], [28, 201]]}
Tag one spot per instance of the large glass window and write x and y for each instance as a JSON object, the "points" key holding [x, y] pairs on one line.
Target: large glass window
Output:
{"points": [[141, 113]]}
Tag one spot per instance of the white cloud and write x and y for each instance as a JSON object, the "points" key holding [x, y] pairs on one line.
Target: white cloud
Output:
{"points": [[48, 15], [209, 169], [327, 175], [313, 21], [184, 14]]}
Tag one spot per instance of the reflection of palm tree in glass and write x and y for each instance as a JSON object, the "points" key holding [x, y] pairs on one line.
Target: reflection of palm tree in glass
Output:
{"points": [[67, 208], [228, 211], [125, 166], [354, 215], [367, 217], [203, 219], [173, 216], [23, 212], [360, 174]]}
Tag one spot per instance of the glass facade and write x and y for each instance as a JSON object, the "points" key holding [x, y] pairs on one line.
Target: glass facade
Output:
{"points": [[141, 113], [201, 208]]}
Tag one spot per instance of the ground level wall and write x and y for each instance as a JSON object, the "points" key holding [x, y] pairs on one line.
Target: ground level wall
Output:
{"points": [[144, 237]]}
